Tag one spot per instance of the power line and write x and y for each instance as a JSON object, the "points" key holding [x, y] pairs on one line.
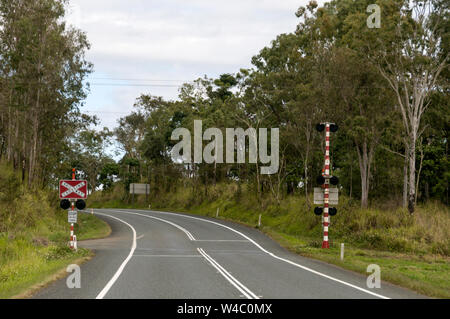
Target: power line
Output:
{"points": [[134, 84], [106, 112], [143, 80]]}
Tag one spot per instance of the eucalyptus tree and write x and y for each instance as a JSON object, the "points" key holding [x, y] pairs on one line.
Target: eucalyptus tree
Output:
{"points": [[43, 69], [409, 51]]}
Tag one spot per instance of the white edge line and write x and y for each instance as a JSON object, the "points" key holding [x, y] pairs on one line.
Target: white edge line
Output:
{"points": [[275, 256], [244, 290], [174, 256], [222, 240], [124, 263]]}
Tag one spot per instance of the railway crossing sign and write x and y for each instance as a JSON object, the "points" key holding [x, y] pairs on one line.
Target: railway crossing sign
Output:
{"points": [[72, 189]]}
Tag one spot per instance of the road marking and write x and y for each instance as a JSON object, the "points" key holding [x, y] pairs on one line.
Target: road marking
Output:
{"points": [[222, 240], [188, 234], [167, 256], [244, 290], [124, 263], [275, 256]]}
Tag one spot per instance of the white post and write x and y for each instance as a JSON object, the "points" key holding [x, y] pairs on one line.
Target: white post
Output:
{"points": [[259, 221], [217, 212], [75, 242], [342, 251], [92, 211]]}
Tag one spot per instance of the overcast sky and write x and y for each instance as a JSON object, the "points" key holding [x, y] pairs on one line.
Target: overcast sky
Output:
{"points": [[149, 46]]}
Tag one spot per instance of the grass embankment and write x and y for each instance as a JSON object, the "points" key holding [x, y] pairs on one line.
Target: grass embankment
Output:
{"points": [[412, 251], [34, 234]]}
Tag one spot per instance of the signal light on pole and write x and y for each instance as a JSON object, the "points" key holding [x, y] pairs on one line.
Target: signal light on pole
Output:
{"points": [[332, 211], [320, 127], [80, 204], [334, 180], [334, 128], [65, 204], [318, 211], [320, 180]]}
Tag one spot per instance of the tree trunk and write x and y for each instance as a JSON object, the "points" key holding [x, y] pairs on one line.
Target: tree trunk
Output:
{"points": [[412, 174], [422, 155], [306, 176], [405, 181], [365, 158], [351, 178]]}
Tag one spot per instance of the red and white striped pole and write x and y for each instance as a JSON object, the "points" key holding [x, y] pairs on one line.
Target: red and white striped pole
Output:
{"points": [[71, 224], [326, 196], [71, 231]]}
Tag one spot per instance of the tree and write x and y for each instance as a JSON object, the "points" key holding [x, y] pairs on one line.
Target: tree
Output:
{"points": [[412, 64], [42, 70]]}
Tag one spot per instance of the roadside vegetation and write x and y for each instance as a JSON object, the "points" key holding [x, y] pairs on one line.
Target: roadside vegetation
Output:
{"points": [[34, 235], [412, 250]]}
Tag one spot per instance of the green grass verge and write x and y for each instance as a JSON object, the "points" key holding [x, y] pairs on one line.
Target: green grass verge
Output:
{"points": [[30, 261], [91, 227], [425, 274]]}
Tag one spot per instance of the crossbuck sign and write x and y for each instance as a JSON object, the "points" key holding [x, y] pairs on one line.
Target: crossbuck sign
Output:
{"points": [[71, 189]]}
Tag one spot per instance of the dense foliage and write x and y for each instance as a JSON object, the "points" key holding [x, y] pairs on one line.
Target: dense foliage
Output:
{"points": [[386, 87]]}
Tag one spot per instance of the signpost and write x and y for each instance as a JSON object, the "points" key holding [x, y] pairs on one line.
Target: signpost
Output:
{"points": [[139, 189], [69, 192], [326, 195]]}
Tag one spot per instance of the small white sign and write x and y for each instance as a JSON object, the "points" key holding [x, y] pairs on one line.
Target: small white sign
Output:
{"points": [[72, 216], [319, 196]]}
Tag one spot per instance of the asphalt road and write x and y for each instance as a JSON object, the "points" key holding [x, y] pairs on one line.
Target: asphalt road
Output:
{"points": [[165, 255]]}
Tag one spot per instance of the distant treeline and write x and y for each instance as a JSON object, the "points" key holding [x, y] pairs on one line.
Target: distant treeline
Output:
{"points": [[386, 88]]}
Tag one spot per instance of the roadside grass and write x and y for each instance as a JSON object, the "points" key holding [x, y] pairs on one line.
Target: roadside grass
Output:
{"points": [[412, 251], [34, 235], [425, 274], [91, 227], [35, 258], [33, 266]]}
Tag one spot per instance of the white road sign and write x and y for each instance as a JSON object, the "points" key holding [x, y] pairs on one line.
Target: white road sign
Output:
{"points": [[332, 199], [139, 188], [72, 216]]}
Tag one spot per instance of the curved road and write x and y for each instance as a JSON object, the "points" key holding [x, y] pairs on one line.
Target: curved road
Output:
{"points": [[166, 255]]}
